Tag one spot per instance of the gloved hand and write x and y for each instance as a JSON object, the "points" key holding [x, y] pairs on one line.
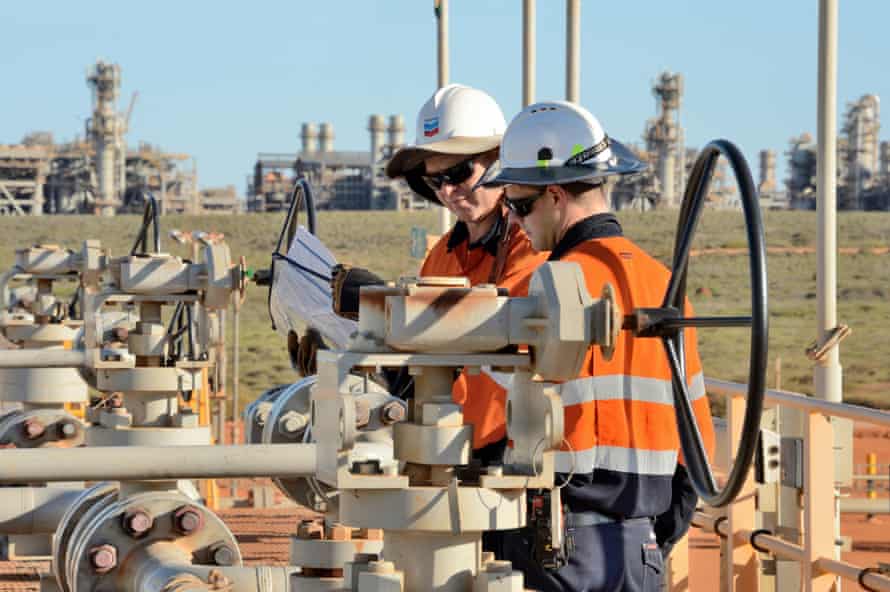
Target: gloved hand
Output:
{"points": [[304, 351], [346, 281]]}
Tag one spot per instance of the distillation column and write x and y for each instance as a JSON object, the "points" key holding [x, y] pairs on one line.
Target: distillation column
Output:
{"points": [[106, 131]]}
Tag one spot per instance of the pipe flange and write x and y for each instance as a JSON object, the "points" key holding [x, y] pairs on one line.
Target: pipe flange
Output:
{"points": [[74, 518], [374, 437], [195, 529]]}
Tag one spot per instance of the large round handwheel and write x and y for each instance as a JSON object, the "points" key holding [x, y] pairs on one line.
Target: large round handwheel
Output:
{"points": [[668, 324]]}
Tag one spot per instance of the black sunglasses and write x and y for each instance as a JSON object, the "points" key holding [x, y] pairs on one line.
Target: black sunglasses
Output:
{"points": [[451, 176], [523, 206]]}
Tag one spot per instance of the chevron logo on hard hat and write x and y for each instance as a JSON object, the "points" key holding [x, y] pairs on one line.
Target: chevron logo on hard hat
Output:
{"points": [[430, 127]]}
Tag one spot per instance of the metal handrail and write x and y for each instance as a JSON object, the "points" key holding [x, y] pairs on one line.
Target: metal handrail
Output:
{"points": [[771, 544], [805, 403]]}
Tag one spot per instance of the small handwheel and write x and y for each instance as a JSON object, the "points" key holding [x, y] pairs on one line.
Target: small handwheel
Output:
{"points": [[668, 324]]}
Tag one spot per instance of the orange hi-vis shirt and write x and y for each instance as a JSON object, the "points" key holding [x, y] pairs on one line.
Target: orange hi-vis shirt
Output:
{"points": [[482, 398], [622, 447]]}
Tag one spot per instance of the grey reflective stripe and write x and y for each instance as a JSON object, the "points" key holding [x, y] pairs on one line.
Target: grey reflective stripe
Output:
{"points": [[615, 458], [697, 387], [614, 387]]}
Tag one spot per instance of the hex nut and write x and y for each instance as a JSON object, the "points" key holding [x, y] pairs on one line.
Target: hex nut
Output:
{"points": [[338, 532], [103, 558], [223, 555], [392, 412], [188, 519], [311, 529], [33, 429], [137, 523], [68, 430]]}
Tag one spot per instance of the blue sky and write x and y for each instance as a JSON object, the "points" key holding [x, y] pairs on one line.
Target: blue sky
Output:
{"points": [[225, 80]]}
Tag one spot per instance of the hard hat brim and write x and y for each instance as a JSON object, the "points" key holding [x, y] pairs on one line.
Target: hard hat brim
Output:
{"points": [[409, 157], [623, 162]]}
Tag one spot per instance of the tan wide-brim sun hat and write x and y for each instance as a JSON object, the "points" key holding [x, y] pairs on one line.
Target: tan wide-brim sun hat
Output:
{"points": [[457, 119]]}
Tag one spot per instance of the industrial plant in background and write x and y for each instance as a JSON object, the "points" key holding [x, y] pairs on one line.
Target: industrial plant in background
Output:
{"points": [[863, 176], [343, 180], [98, 173]]}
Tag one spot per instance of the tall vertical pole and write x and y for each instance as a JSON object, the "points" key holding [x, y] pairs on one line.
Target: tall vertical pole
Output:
{"points": [[528, 52], [573, 50], [827, 374], [828, 370], [236, 346], [442, 22]]}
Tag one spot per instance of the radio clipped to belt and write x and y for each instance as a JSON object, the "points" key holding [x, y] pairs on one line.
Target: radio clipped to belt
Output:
{"points": [[552, 544]]}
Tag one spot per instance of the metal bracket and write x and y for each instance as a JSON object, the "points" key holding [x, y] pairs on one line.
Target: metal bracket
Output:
{"points": [[817, 351], [791, 457]]}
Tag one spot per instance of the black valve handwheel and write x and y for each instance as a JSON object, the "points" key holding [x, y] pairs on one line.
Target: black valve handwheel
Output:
{"points": [[668, 324]]}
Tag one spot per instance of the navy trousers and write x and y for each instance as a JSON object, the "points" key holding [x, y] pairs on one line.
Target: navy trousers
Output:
{"points": [[613, 557]]}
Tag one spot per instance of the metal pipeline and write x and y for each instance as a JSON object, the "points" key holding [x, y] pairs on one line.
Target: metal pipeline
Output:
{"points": [[34, 510], [166, 566], [42, 358], [154, 463]]}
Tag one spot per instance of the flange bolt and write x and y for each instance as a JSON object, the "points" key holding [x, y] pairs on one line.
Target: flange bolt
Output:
{"points": [[67, 430], [137, 522], [223, 555], [33, 429], [188, 519], [103, 558], [392, 412]]}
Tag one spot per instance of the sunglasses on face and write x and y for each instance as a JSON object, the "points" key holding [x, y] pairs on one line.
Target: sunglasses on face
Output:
{"points": [[451, 176], [523, 206]]}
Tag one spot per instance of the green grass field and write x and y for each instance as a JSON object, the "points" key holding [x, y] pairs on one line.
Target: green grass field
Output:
{"points": [[380, 241]]}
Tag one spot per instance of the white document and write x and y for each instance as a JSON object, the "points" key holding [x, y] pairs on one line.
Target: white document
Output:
{"points": [[301, 291]]}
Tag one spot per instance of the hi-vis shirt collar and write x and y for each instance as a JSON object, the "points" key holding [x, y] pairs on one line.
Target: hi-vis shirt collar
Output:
{"points": [[489, 242], [596, 226]]}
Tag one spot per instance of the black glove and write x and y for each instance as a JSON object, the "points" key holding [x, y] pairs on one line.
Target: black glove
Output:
{"points": [[346, 281], [303, 351]]}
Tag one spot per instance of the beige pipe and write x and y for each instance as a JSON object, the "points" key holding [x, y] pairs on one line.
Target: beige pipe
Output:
{"points": [[34, 510], [42, 358], [156, 463]]}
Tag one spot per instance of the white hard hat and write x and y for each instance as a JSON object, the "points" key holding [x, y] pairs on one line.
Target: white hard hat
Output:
{"points": [[559, 142], [457, 119]]}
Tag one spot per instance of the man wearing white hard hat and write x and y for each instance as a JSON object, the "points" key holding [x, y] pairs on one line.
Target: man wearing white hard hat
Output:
{"points": [[459, 130], [626, 494]]}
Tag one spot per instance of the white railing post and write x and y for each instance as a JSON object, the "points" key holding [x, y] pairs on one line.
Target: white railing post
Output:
{"points": [[819, 505], [789, 510], [740, 564]]}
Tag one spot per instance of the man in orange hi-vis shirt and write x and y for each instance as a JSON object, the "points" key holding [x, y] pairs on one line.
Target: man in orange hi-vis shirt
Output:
{"points": [[627, 497]]}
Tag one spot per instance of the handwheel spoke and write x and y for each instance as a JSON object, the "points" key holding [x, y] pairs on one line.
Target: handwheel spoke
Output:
{"points": [[687, 426], [683, 323]]}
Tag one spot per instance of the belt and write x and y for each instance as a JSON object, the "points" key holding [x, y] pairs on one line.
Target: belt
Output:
{"points": [[591, 518]]}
